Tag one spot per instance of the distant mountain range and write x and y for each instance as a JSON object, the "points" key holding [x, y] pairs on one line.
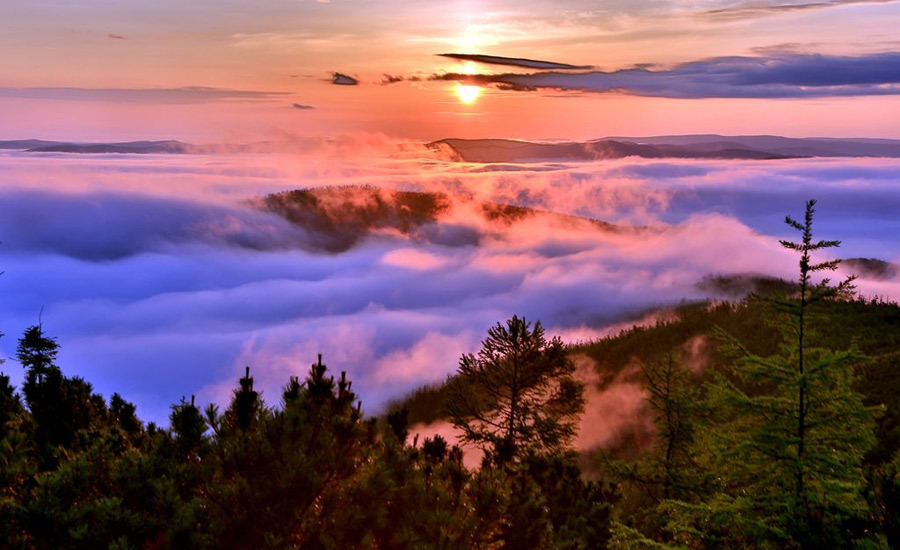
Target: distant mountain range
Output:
{"points": [[149, 147], [704, 146], [693, 146]]}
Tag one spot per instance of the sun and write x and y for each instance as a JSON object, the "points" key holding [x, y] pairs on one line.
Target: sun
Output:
{"points": [[468, 94]]}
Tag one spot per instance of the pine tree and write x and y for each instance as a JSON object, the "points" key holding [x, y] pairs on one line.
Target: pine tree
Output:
{"points": [[36, 353], [123, 414], [44, 390], [245, 404], [518, 394], [668, 469], [789, 453], [188, 426]]}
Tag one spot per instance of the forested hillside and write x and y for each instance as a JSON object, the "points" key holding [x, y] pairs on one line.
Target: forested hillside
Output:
{"points": [[771, 421]]}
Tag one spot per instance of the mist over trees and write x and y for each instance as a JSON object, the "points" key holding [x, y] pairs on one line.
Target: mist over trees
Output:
{"points": [[788, 439]]}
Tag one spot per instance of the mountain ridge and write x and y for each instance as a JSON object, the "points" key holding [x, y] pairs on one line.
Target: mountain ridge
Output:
{"points": [[499, 150], [699, 146]]}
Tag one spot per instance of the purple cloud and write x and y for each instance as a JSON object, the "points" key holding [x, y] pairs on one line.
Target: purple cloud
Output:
{"points": [[158, 277], [781, 76], [750, 10], [512, 61], [342, 79]]}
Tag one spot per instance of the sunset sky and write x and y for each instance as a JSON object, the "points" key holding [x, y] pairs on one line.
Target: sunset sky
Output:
{"points": [[165, 275], [238, 70]]}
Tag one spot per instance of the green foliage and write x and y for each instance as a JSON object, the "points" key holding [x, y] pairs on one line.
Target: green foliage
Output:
{"points": [[769, 454], [188, 426], [675, 402], [60, 407], [275, 479], [398, 421], [10, 404], [577, 511], [668, 470], [518, 393], [123, 414], [245, 405], [624, 537], [788, 451], [884, 499], [312, 474]]}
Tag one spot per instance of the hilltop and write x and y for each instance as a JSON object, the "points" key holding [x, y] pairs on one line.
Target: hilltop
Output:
{"points": [[337, 218], [687, 330]]}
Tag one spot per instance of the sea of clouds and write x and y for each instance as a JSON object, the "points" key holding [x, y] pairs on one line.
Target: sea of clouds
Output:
{"points": [[161, 278]]}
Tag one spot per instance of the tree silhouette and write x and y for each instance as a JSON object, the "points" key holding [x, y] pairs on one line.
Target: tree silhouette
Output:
{"points": [[36, 353], [517, 394], [245, 404]]}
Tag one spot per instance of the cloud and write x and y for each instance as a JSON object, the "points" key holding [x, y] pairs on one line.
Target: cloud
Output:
{"points": [[512, 61], [160, 278], [411, 258], [187, 94], [427, 359], [302, 107], [343, 80], [786, 48], [613, 407], [46, 222], [115, 36], [781, 76], [753, 10]]}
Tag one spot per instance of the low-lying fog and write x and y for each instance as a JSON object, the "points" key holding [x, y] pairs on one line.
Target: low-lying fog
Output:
{"points": [[161, 276]]}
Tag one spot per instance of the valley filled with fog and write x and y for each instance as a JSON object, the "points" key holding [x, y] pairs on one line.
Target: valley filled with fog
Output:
{"points": [[164, 275]]}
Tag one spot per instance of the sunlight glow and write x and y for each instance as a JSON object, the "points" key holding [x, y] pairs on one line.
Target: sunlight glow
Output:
{"points": [[468, 94]]}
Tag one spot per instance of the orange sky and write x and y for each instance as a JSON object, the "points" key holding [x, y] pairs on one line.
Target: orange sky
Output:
{"points": [[88, 59]]}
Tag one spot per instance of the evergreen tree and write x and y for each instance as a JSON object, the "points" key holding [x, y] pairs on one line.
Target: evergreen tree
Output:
{"points": [[552, 506], [789, 453], [188, 425], [277, 480], [36, 353], [674, 399], [60, 407], [123, 415], [517, 394], [398, 421], [668, 470], [245, 404]]}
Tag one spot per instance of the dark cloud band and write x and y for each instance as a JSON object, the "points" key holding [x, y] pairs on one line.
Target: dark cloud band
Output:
{"points": [[784, 76], [746, 11], [513, 61]]}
